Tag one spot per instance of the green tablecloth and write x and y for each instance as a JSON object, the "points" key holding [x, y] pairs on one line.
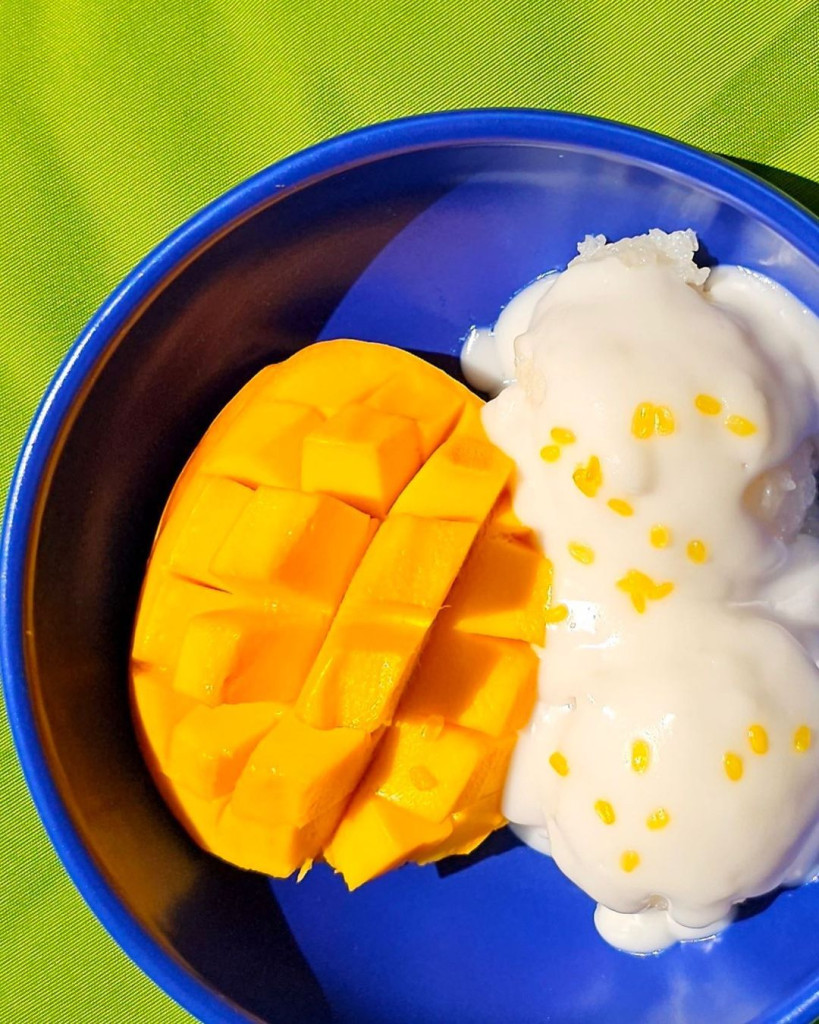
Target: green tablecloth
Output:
{"points": [[118, 120]]}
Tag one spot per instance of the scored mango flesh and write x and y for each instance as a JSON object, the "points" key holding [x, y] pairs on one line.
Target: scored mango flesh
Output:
{"points": [[332, 653]]}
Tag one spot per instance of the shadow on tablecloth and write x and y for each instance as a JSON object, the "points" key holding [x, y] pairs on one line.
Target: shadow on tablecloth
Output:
{"points": [[803, 190]]}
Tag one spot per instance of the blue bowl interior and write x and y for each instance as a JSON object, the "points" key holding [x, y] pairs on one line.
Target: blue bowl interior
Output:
{"points": [[412, 249]]}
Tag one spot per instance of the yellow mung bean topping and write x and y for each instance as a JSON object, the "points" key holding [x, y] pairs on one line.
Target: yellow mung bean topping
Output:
{"points": [[640, 756], [589, 478], [621, 507], [642, 589], [740, 426], [658, 819], [581, 553], [559, 763], [708, 405], [697, 551], [663, 420], [642, 422], [557, 613], [629, 860], [605, 812], [732, 763], [562, 435], [758, 739], [649, 419]]}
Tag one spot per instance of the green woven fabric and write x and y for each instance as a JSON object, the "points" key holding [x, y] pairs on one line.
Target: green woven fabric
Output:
{"points": [[119, 120]]}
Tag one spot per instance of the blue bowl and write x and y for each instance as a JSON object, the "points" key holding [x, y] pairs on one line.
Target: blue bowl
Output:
{"points": [[408, 232]]}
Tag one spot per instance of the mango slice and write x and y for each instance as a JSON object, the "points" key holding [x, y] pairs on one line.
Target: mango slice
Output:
{"points": [[409, 568], [360, 673], [375, 835], [477, 682], [362, 456], [210, 746], [263, 445], [204, 517], [382, 622], [239, 656], [460, 480], [430, 402], [469, 829], [200, 815], [168, 605], [429, 767], [333, 374], [502, 591], [332, 653], [307, 545], [278, 849], [160, 710], [296, 773]]}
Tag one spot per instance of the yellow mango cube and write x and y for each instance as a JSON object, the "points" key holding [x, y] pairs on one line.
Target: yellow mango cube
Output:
{"points": [[429, 400], [359, 674], [166, 608], [157, 709], [362, 456], [242, 656], [297, 773], [477, 682], [203, 519], [210, 746], [370, 651], [263, 444], [375, 835], [275, 658], [469, 829], [291, 543], [503, 590], [428, 768], [460, 480], [409, 568], [208, 654], [276, 850]]}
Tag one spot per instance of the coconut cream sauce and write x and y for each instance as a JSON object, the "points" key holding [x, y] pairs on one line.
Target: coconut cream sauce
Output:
{"points": [[661, 419]]}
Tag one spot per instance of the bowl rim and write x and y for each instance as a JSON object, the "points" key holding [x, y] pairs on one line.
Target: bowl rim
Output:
{"points": [[377, 141]]}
